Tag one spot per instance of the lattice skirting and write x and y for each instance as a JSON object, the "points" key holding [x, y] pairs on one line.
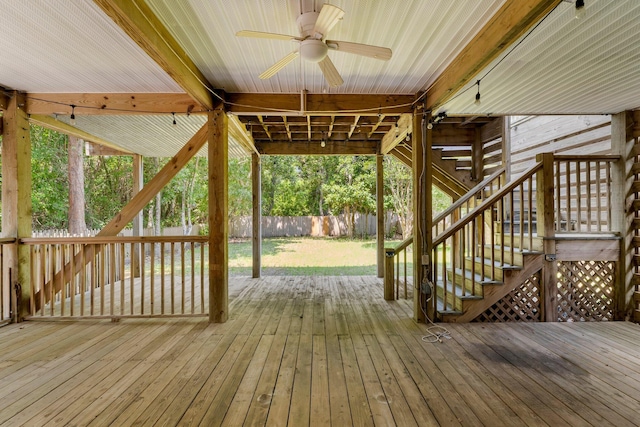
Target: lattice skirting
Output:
{"points": [[586, 290], [521, 304]]}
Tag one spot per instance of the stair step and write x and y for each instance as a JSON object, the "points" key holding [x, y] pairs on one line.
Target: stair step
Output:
{"points": [[515, 239], [469, 282], [518, 255]]}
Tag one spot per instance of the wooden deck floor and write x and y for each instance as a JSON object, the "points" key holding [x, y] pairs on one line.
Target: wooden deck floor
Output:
{"points": [[317, 351]]}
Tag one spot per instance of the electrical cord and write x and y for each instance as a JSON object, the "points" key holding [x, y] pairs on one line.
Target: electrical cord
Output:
{"points": [[435, 333]]}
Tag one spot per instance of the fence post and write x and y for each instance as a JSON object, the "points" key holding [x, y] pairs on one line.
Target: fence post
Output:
{"points": [[389, 274], [545, 208]]}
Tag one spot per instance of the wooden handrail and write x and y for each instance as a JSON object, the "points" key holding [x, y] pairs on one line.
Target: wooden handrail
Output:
{"points": [[402, 245], [106, 240], [590, 157], [7, 240], [454, 228], [471, 193]]}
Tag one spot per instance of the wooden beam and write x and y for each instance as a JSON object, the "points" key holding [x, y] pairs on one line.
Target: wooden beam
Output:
{"points": [[546, 229], [333, 120], [256, 199], [238, 132], [623, 142], [513, 20], [421, 215], [286, 126], [216, 135], [16, 203], [397, 133], [265, 127], [380, 212], [403, 154], [352, 128], [377, 125], [137, 20], [351, 148], [4, 100], [53, 124], [309, 128], [149, 191], [102, 104], [266, 104]]}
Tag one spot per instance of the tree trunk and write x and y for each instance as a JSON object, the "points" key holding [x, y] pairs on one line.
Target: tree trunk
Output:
{"points": [[77, 224]]}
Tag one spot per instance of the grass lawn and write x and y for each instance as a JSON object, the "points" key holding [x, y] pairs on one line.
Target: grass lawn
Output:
{"points": [[307, 256]]}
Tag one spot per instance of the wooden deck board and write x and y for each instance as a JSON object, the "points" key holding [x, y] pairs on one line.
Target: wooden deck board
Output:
{"points": [[317, 351]]}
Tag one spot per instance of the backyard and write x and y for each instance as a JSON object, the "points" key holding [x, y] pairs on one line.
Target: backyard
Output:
{"points": [[307, 256]]}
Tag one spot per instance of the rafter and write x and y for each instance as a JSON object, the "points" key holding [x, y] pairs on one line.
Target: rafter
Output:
{"points": [[238, 132], [351, 148], [92, 104], [354, 125], [397, 133], [265, 127], [377, 125], [510, 22], [286, 126], [137, 20], [317, 104], [333, 120], [53, 124]]}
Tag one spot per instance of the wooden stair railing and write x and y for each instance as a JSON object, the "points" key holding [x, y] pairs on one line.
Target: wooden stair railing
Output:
{"points": [[392, 269], [494, 248]]}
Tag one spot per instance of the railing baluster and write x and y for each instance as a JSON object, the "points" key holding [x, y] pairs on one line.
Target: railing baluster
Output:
{"points": [[530, 214], [193, 276], [405, 273], [608, 193], [397, 278], [444, 274], [63, 284], [522, 216], [173, 278], [558, 198], [578, 195], [162, 292], [152, 275], [142, 262], [122, 284], [599, 194], [132, 263], [72, 278], [568, 192], [588, 186], [202, 246], [112, 277], [83, 279], [182, 275], [52, 267]]}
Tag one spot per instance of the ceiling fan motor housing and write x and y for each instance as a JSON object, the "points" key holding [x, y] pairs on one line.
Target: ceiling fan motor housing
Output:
{"points": [[306, 23]]}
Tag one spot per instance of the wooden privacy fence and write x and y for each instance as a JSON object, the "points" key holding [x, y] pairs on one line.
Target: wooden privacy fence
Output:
{"points": [[101, 281], [316, 226]]}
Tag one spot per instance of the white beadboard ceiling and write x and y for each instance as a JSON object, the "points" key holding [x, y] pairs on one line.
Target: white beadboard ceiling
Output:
{"points": [[425, 35], [72, 46], [149, 136], [565, 66]]}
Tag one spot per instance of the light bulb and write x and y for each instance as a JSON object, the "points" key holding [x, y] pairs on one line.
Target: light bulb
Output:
{"points": [[72, 118], [477, 101], [323, 143], [408, 138], [430, 125], [174, 119]]}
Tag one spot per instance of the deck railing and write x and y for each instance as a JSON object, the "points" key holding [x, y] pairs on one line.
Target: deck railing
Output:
{"points": [[461, 207], [493, 236], [392, 268], [99, 277]]}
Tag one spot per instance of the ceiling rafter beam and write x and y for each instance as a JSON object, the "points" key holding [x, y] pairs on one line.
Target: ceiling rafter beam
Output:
{"points": [[239, 133], [333, 120], [377, 125], [351, 148], [137, 20], [397, 133], [286, 126], [505, 27], [354, 125], [94, 104], [265, 127], [253, 104]]}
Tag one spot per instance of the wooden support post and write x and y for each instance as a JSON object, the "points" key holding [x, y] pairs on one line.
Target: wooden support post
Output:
{"points": [[16, 201], [622, 144], [506, 147], [546, 230], [380, 213], [218, 150], [256, 181], [138, 183], [477, 171], [422, 217], [389, 279]]}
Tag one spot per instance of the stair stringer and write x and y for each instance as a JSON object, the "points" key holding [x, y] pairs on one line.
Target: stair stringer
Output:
{"points": [[472, 308]]}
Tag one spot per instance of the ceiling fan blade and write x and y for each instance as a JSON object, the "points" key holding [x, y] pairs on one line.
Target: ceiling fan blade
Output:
{"points": [[328, 17], [330, 73], [271, 71], [377, 52], [261, 35]]}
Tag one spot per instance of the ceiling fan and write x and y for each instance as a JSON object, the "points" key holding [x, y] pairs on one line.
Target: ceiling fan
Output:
{"points": [[313, 27]]}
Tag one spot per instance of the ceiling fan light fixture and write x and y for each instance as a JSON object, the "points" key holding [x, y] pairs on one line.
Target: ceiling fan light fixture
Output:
{"points": [[313, 50]]}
